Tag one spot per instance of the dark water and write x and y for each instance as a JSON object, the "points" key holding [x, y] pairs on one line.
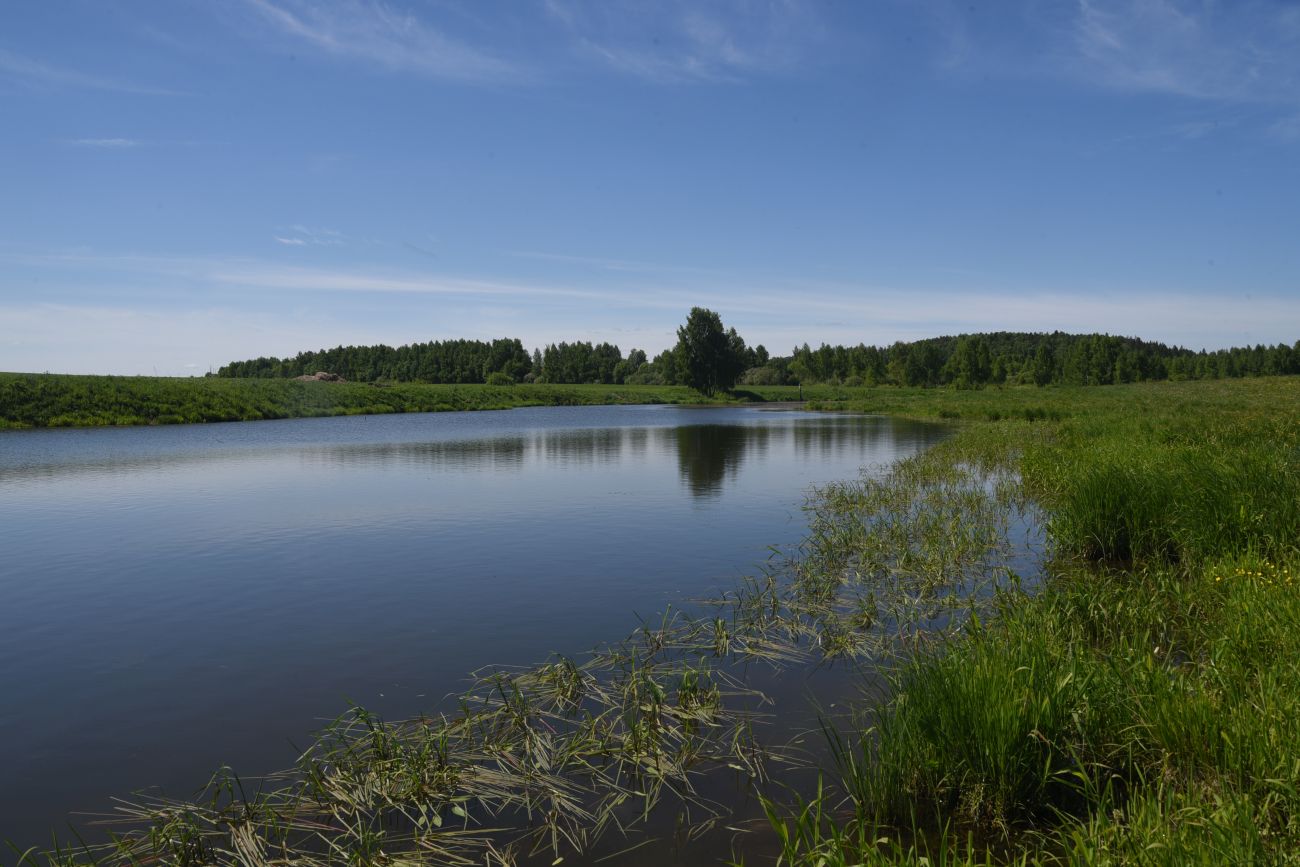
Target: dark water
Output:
{"points": [[174, 599]]}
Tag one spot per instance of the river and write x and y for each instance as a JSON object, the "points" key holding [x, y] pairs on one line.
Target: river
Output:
{"points": [[179, 598]]}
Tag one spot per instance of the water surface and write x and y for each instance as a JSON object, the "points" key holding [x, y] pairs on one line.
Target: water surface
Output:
{"points": [[179, 598]]}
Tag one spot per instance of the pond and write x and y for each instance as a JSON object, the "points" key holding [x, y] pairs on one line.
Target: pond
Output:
{"points": [[179, 598]]}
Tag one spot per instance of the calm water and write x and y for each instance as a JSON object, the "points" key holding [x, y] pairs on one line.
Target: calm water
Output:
{"points": [[178, 598]]}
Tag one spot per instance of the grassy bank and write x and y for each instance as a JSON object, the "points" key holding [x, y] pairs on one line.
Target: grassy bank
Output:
{"points": [[55, 400], [1144, 706]]}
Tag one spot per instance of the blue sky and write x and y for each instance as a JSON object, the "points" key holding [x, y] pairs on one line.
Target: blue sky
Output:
{"points": [[184, 183]]}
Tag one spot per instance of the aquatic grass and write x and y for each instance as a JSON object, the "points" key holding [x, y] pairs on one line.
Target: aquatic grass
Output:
{"points": [[812, 831]]}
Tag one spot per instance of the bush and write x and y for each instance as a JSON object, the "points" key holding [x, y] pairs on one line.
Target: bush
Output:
{"points": [[766, 375], [497, 377]]}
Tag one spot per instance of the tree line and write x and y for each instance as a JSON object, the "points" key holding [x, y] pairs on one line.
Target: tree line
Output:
{"points": [[712, 359], [1020, 358], [705, 357]]}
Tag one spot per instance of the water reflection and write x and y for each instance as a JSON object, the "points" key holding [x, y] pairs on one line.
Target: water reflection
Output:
{"points": [[707, 455]]}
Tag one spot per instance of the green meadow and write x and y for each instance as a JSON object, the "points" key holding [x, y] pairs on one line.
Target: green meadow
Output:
{"points": [[1136, 700]]}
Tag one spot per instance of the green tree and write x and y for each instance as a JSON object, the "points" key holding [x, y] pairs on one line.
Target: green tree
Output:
{"points": [[709, 358], [1044, 364]]}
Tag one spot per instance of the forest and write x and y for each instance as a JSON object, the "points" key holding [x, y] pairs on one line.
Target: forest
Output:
{"points": [[961, 361]]}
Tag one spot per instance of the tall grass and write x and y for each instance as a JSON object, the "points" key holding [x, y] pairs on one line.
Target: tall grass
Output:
{"points": [[1144, 706]]}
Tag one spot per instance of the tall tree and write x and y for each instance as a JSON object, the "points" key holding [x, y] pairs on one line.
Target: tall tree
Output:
{"points": [[710, 359]]}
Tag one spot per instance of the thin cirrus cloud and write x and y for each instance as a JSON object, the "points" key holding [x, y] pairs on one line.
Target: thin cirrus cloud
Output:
{"points": [[110, 143], [36, 72], [688, 42], [306, 236], [383, 36], [608, 264], [675, 42], [1241, 51]]}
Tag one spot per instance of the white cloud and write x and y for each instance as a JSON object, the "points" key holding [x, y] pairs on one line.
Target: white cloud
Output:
{"points": [[374, 32]]}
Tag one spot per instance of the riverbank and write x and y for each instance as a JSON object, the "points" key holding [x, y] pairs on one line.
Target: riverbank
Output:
{"points": [[1144, 706]]}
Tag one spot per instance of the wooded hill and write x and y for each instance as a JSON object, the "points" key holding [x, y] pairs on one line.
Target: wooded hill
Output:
{"points": [[967, 360]]}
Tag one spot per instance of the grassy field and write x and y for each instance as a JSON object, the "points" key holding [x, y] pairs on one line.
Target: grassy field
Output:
{"points": [[1136, 703]]}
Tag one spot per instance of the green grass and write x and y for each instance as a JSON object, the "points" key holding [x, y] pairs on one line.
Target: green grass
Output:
{"points": [[1144, 706]]}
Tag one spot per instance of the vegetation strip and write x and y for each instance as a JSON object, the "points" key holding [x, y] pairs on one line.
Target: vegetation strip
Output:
{"points": [[54, 400]]}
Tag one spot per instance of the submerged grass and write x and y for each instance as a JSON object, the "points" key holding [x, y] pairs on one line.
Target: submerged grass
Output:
{"points": [[1138, 705]]}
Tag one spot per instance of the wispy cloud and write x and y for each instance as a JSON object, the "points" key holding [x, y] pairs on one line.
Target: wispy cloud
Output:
{"points": [[111, 143], [1231, 51], [606, 264], [306, 236], [374, 32], [686, 42], [1287, 129], [273, 277], [37, 72], [1238, 51]]}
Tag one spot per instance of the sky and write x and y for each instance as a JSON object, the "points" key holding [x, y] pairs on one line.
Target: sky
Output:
{"points": [[187, 183]]}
